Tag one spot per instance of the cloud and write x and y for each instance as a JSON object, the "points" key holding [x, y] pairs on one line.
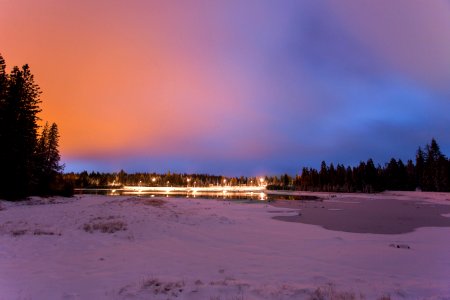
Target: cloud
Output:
{"points": [[236, 86]]}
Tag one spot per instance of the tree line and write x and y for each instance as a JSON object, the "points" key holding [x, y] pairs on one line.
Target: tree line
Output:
{"points": [[118, 179], [29, 155], [429, 172]]}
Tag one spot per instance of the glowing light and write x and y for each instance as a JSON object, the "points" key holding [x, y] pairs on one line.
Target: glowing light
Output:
{"points": [[168, 189]]}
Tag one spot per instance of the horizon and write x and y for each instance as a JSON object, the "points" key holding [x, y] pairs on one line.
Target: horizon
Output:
{"points": [[235, 89], [260, 174]]}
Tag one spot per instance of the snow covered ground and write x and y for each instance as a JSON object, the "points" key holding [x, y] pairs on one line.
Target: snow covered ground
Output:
{"points": [[99, 247]]}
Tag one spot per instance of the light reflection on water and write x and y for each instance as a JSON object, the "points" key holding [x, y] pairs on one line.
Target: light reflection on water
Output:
{"points": [[225, 195], [200, 195]]}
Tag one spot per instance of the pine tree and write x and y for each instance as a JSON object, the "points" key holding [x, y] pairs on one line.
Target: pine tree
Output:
{"points": [[370, 177], [19, 133], [47, 159], [411, 176], [323, 176], [340, 177], [402, 176], [3, 124], [41, 168], [29, 162], [420, 163], [53, 151], [434, 176]]}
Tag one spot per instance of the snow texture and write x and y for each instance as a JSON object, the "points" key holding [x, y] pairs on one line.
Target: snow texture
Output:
{"points": [[99, 247]]}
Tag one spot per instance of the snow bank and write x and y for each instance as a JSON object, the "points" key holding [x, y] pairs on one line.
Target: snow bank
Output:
{"points": [[98, 247]]}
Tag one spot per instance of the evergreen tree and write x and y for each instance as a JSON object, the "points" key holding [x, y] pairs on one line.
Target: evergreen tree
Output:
{"points": [[435, 168], [42, 169], [370, 177], [3, 124], [19, 134], [47, 158], [402, 176], [349, 187], [53, 150], [391, 175], [323, 176], [305, 179], [419, 168], [340, 177], [411, 176], [332, 177], [29, 163]]}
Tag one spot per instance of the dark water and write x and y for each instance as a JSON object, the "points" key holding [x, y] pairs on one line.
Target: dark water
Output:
{"points": [[256, 196]]}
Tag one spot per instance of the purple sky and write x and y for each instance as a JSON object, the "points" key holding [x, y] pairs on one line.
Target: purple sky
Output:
{"points": [[235, 87]]}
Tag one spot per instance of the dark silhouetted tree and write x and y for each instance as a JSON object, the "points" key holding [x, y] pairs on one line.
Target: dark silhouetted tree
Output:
{"points": [[3, 124], [19, 134], [411, 182], [435, 173], [48, 159], [25, 158], [419, 168]]}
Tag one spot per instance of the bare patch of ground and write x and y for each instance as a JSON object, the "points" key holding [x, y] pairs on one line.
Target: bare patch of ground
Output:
{"points": [[109, 224]]}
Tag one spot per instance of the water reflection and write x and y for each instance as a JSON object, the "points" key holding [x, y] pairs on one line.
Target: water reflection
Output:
{"points": [[226, 195]]}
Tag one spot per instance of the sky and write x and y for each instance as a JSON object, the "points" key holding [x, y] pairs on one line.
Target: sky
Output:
{"points": [[235, 87]]}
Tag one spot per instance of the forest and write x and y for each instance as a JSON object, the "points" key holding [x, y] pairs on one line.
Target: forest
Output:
{"points": [[105, 180], [429, 172], [29, 155]]}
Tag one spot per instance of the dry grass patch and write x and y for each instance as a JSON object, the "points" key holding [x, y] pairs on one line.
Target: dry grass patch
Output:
{"points": [[44, 232], [329, 292], [157, 287], [105, 225], [18, 232], [152, 202], [146, 201]]}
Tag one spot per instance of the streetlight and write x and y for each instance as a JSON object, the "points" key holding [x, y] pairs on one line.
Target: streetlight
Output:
{"points": [[188, 180]]}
